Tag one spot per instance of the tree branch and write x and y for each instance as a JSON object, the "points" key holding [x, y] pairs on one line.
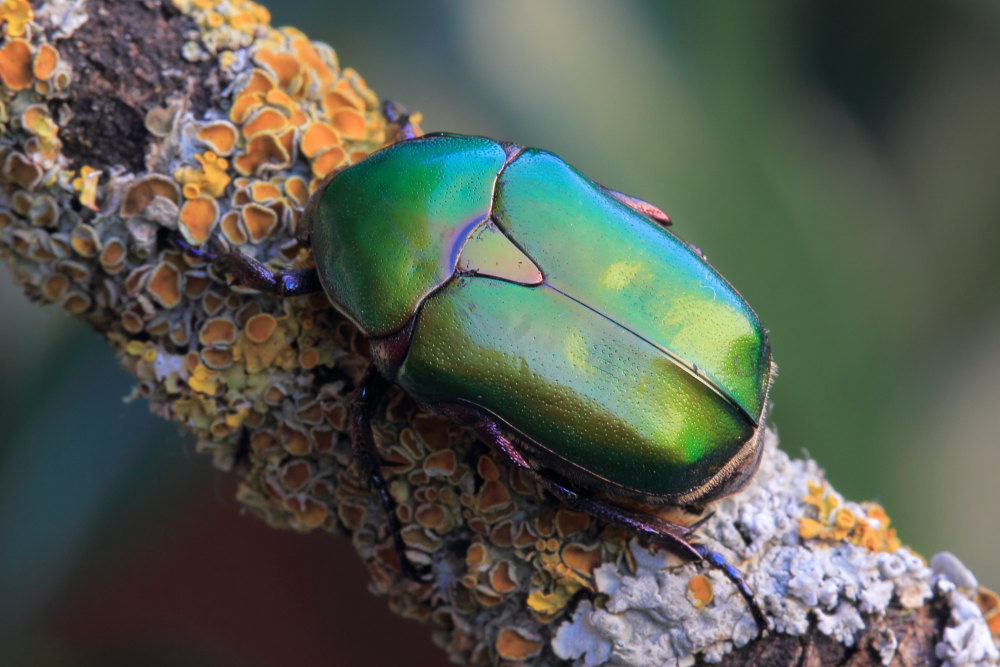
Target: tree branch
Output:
{"points": [[127, 126]]}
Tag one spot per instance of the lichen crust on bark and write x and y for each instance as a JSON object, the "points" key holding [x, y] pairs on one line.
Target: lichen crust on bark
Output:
{"points": [[128, 126]]}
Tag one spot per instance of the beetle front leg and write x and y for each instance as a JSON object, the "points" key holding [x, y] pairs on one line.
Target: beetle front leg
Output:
{"points": [[249, 272], [366, 399], [669, 535], [397, 114]]}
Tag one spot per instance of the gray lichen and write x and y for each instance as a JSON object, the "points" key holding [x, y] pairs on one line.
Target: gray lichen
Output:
{"points": [[648, 619]]}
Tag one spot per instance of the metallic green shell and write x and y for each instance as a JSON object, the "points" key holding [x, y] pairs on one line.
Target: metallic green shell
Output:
{"points": [[387, 231], [633, 360]]}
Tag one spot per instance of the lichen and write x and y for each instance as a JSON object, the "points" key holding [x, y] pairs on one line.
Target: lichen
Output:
{"points": [[265, 384], [832, 583]]}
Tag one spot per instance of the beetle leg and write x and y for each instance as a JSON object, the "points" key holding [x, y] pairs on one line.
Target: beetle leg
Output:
{"points": [[397, 114], [250, 272], [639, 206], [366, 399], [669, 535]]}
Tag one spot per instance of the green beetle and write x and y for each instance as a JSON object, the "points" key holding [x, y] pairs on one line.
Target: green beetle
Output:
{"points": [[558, 318]]}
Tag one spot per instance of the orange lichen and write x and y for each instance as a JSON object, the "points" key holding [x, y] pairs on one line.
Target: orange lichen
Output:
{"points": [[44, 211], [284, 66], [307, 54], [15, 64], [76, 302], [218, 358], [989, 604], [113, 256], [501, 579], [340, 99], [263, 191], [45, 62], [582, 559], [22, 171], [165, 284], [487, 469], [309, 359], [197, 217], [264, 151], [259, 221], [54, 286], [84, 240], [232, 228], [699, 591], [260, 327], [492, 496], [317, 138], [870, 530], [516, 644], [265, 120], [218, 135], [295, 475], [350, 124], [294, 441], [327, 161], [443, 463], [142, 192], [244, 104], [296, 188], [217, 330], [569, 522], [431, 515]]}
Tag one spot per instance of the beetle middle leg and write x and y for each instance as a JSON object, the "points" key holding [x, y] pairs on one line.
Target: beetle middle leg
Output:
{"points": [[366, 399], [669, 535]]}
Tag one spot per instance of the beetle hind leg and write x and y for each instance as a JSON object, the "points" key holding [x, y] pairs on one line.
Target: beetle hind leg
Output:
{"points": [[640, 206], [366, 399], [671, 536]]}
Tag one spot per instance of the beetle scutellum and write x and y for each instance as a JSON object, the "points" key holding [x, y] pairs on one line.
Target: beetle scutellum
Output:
{"points": [[557, 318]]}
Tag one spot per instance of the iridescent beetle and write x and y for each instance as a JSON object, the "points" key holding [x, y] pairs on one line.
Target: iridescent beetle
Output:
{"points": [[557, 318]]}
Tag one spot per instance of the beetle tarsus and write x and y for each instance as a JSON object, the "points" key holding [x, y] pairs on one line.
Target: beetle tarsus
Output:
{"points": [[397, 114], [716, 560], [252, 273], [366, 399]]}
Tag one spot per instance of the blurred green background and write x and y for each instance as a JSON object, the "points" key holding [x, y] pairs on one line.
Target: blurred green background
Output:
{"points": [[838, 163]]}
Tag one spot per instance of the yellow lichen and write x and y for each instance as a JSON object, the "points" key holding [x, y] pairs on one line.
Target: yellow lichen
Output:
{"points": [[15, 14]]}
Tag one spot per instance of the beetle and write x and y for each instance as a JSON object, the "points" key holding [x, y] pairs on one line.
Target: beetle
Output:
{"points": [[559, 319]]}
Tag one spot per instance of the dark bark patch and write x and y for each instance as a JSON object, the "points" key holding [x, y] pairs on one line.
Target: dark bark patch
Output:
{"points": [[916, 631], [126, 60]]}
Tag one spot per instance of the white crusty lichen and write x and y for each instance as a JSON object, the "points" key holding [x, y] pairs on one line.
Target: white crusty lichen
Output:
{"points": [[649, 617]]}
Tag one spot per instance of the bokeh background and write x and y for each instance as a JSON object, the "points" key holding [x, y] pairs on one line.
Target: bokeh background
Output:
{"points": [[838, 162]]}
